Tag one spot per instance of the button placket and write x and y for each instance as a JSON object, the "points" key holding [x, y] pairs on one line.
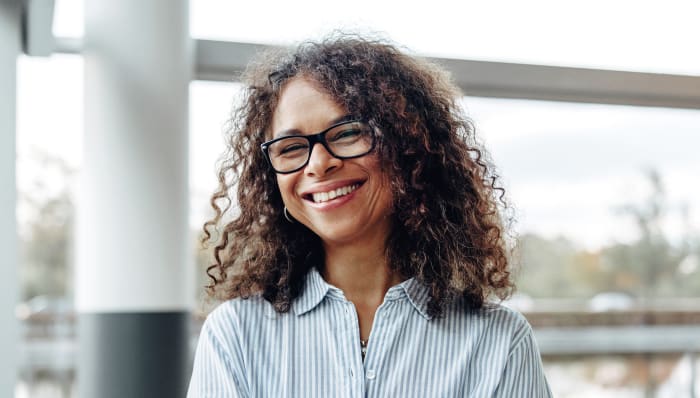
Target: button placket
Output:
{"points": [[353, 335], [382, 333], [374, 344]]}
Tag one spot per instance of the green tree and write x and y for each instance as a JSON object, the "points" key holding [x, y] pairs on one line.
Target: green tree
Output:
{"points": [[550, 267], [648, 266], [46, 230]]}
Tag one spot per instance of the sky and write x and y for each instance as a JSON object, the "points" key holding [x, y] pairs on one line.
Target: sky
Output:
{"points": [[566, 166]]}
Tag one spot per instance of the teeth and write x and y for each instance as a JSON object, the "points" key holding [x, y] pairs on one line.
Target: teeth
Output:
{"points": [[326, 196]]}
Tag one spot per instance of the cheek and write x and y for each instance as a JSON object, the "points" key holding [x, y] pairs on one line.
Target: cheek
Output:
{"points": [[286, 186], [372, 164], [384, 186], [388, 197], [374, 167]]}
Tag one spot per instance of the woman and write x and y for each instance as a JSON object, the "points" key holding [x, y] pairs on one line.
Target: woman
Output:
{"points": [[369, 241]]}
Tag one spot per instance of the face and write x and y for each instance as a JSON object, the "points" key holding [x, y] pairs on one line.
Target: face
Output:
{"points": [[360, 210]]}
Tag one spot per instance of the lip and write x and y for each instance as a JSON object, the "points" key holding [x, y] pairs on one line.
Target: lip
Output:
{"points": [[329, 186], [333, 203]]}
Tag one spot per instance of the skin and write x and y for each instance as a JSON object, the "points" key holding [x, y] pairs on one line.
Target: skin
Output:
{"points": [[353, 228]]}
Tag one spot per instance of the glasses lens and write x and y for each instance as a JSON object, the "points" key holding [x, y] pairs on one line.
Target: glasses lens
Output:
{"points": [[350, 139], [289, 153]]}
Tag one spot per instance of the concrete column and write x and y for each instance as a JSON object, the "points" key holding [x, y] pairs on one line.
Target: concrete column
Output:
{"points": [[10, 45], [133, 291]]}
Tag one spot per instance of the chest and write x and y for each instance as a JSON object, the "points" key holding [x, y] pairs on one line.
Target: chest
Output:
{"points": [[318, 354]]}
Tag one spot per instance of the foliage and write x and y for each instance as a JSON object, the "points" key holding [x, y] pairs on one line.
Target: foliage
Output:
{"points": [[46, 232], [650, 266]]}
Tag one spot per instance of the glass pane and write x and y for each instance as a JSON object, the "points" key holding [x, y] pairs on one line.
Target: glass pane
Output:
{"points": [[621, 35], [570, 167], [210, 107], [605, 199], [49, 154], [68, 18]]}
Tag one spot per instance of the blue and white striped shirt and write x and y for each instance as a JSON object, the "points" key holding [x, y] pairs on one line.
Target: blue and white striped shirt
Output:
{"points": [[246, 349]]}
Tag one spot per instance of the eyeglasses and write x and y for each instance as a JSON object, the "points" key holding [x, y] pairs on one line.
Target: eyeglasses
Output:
{"points": [[344, 140]]}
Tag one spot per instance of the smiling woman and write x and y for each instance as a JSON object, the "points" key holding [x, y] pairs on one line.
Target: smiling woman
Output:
{"points": [[377, 252]]}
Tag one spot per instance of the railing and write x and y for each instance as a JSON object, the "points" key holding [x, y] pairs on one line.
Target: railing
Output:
{"points": [[569, 332]]}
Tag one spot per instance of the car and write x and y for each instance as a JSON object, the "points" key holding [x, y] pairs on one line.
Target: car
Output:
{"points": [[611, 301]]}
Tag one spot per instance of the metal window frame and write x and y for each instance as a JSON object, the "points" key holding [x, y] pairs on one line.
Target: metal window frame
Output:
{"points": [[224, 61]]}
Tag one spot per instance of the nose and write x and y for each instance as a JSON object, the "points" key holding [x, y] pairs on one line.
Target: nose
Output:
{"points": [[321, 162]]}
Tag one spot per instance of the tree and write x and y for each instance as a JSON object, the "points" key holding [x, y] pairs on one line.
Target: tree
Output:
{"points": [[650, 266], [46, 229]]}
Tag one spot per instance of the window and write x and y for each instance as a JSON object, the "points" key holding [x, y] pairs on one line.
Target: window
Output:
{"points": [[620, 35]]}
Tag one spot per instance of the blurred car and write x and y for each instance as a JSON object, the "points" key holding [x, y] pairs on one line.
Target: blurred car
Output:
{"points": [[47, 317], [611, 301], [44, 307]]}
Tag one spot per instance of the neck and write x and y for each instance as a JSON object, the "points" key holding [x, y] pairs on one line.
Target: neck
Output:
{"points": [[362, 273]]}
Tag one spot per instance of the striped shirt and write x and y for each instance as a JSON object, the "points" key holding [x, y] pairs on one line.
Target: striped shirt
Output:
{"points": [[246, 349]]}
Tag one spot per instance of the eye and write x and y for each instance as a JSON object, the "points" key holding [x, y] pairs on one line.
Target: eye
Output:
{"points": [[292, 148], [349, 134]]}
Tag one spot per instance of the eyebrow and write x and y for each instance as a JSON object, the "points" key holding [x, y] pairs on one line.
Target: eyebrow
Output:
{"points": [[288, 132]]}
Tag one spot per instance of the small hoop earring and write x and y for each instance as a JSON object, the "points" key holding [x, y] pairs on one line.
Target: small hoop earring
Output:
{"points": [[286, 215]]}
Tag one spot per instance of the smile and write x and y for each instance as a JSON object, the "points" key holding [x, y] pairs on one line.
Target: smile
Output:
{"points": [[320, 197]]}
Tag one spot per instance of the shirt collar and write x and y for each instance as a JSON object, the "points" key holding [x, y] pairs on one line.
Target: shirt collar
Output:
{"points": [[316, 289], [417, 293]]}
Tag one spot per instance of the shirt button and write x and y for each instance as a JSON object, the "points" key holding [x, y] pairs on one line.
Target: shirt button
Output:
{"points": [[371, 375], [352, 374]]}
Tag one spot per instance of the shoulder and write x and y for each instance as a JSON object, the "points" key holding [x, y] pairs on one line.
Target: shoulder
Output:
{"points": [[254, 303], [506, 319], [500, 314], [490, 312], [229, 315], [495, 320]]}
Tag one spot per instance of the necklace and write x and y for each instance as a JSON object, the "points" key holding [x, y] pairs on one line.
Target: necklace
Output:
{"points": [[363, 348]]}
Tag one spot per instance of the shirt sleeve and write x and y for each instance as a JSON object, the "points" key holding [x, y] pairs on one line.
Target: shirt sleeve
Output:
{"points": [[218, 366], [523, 375]]}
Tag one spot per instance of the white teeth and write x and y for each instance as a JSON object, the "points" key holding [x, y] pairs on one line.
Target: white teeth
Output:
{"points": [[319, 197]]}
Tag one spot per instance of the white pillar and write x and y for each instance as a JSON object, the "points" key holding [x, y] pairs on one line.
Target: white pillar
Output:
{"points": [[10, 44], [133, 291]]}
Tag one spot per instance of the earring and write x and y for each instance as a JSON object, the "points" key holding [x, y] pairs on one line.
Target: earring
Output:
{"points": [[286, 215]]}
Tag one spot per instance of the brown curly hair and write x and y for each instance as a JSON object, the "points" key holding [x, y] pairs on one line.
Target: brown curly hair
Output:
{"points": [[448, 229]]}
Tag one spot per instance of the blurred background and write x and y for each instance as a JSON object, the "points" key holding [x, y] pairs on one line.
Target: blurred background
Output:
{"points": [[590, 109]]}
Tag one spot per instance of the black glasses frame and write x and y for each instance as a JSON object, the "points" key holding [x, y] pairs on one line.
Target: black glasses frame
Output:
{"points": [[317, 138]]}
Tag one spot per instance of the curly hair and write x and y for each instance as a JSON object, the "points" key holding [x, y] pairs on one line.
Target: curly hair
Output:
{"points": [[448, 228]]}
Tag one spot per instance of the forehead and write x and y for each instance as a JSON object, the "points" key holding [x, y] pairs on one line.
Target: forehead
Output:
{"points": [[304, 108]]}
